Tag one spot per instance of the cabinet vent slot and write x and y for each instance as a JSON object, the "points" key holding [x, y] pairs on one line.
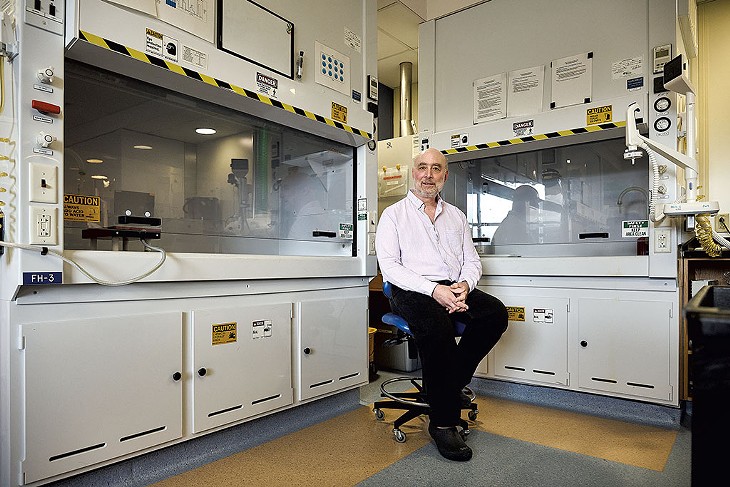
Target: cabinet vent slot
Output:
{"points": [[226, 410], [321, 383], [545, 372], [510, 367], [348, 376], [76, 452], [258, 401], [143, 433], [600, 379], [636, 384]]}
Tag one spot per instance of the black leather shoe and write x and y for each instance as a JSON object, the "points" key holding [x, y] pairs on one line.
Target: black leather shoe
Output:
{"points": [[450, 443]]}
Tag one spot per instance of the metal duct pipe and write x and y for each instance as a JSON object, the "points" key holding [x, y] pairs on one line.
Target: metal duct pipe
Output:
{"points": [[406, 124]]}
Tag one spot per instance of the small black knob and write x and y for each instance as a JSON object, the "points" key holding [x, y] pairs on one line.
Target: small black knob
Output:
{"points": [[583, 343], [307, 351], [176, 376], [202, 371]]}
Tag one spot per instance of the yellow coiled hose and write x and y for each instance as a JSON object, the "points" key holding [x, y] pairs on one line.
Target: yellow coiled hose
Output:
{"points": [[708, 238]]}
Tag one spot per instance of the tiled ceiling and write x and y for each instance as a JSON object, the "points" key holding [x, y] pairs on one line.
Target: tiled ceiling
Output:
{"points": [[397, 41]]}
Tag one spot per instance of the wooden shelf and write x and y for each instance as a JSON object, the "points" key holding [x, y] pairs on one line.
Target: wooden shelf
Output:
{"points": [[694, 267]]}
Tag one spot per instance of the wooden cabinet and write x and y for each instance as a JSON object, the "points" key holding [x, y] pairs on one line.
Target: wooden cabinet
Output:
{"points": [[696, 267]]}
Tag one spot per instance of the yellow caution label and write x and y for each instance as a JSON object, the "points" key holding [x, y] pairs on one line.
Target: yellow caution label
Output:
{"points": [[81, 208], [224, 333], [339, 112], [597, 115], [516, 313]]}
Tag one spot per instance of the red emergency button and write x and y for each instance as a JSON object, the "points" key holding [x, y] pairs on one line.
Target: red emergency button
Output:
{"points": [[44, 107]]}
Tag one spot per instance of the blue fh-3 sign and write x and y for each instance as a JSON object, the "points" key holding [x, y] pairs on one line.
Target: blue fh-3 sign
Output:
{"points": [[42, 278]]}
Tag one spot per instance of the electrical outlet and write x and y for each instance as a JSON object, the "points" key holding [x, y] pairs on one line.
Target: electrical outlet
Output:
{"points": [[662, 240], [720, 219], [43, 226]]}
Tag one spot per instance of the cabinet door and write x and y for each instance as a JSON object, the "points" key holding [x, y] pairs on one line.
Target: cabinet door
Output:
{"points": [[98, 388], [535, 346], [241, 362], [332, 345], [624, 346]]}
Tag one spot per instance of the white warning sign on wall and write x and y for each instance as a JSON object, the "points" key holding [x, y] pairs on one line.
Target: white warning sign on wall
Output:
{"points": [[634, 228]]}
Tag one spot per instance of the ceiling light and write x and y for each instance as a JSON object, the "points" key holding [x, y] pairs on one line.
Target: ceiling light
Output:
{"points": [[94, 161], [143, 147], [205, 131], [99, 176]]}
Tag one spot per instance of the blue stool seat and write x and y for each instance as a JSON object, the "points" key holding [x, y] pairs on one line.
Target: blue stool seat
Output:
{"points": [[414, 403]]}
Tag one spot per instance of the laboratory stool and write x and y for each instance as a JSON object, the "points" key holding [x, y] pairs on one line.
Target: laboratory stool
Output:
{"points": [[413, 403]]}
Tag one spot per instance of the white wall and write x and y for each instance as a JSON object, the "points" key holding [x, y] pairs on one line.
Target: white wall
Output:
{"points": [[714, 99]]}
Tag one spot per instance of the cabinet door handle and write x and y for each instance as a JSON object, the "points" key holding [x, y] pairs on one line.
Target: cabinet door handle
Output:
{"points": [[307, 351], [202, 371], [583, 343], [176, 376]]}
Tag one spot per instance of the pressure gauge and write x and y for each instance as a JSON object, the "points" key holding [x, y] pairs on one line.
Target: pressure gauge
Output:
{"points": [[662, 104], [662, 124]]}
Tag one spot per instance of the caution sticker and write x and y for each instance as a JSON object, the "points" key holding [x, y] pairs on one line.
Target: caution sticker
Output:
{"points": [[598, 115], [81, 208], [339, 112], [516, 313], [224, 333]]}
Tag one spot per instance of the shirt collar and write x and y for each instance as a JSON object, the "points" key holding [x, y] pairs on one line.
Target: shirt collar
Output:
{"points": [[416, 201]]}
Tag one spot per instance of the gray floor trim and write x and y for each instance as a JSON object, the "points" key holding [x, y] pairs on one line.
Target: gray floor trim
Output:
{"points": [[581, 402]]}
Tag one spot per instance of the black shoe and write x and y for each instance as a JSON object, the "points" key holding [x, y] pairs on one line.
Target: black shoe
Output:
{"points": [[464, 399], [450, 443]]}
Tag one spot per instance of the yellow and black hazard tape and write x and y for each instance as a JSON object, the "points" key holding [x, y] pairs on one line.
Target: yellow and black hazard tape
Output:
{"points": [[532, 138], [141, 56]]}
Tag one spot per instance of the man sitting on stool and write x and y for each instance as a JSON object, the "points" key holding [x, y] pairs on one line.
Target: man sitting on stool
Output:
{"points": [[425, 250]]}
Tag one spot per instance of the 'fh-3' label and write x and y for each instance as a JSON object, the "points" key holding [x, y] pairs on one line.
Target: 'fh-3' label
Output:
{"points": [[223, 333], [42, 278]]}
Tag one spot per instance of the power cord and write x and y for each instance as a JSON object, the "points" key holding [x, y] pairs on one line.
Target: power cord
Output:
{"points": [[103, 282]]}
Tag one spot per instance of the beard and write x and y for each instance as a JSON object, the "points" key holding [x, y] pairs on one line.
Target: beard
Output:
{"points": [[428, 192]]}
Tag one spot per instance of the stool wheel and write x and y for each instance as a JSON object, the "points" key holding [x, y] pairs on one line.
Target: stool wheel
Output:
{"points": [[400, 437], [379, 414], [473, 414]]}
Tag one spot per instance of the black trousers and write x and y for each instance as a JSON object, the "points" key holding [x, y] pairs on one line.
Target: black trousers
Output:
{"points": [[447, 366]]}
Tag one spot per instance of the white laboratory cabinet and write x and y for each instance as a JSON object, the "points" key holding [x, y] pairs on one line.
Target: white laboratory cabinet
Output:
{"points": [[583, 336], [233, 374], [328, 338], [99, 388]]}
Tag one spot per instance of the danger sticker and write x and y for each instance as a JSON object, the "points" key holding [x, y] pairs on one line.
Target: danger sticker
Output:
{"points": [[261, 328], [339, 112], [598, 115], [81, 208], [516, 313], [224, 333], [542, 315]]}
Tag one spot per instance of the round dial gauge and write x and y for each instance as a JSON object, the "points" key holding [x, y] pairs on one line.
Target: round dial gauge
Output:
{"points": [[662, 104], [662, 124]]}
